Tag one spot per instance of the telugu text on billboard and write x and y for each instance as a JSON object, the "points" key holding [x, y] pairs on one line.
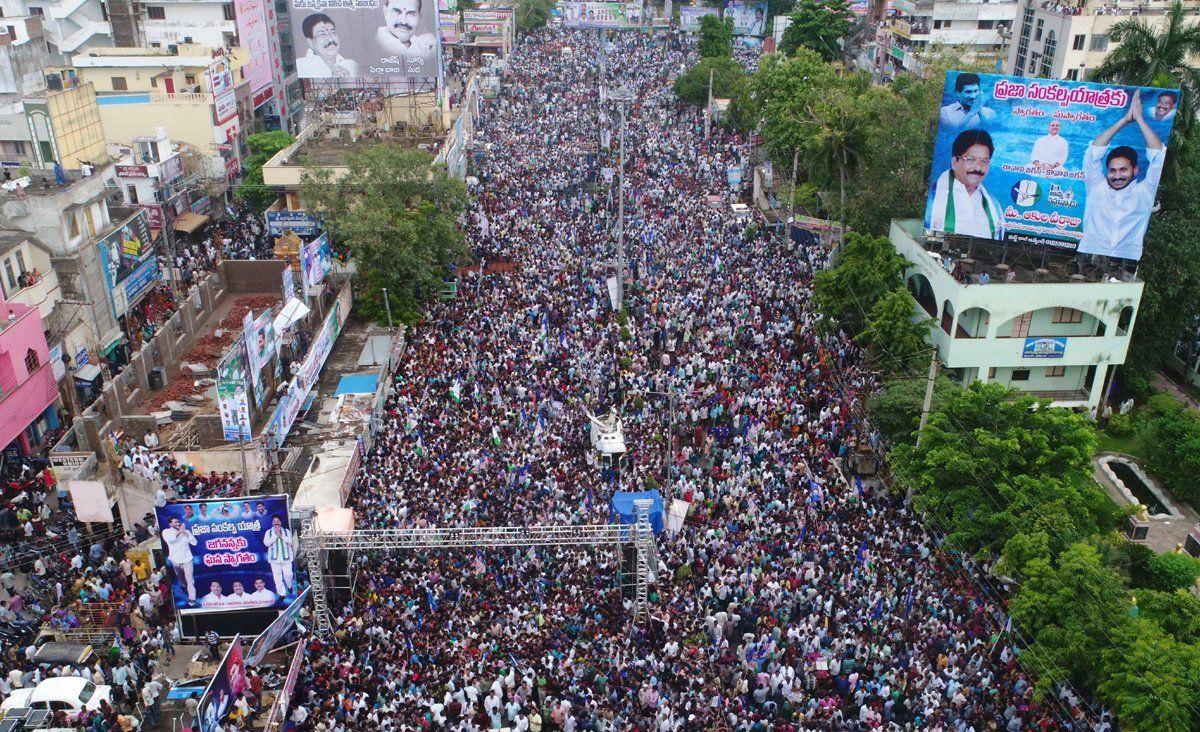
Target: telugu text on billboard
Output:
{"points": [[128, 259], [367, 39], [1069, 165], [229, 554], [749, 19], [690, 15], [302, 223], [601, 14]]}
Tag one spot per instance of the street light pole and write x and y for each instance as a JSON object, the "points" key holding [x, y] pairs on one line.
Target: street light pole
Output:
{"points": [[622, 96]]}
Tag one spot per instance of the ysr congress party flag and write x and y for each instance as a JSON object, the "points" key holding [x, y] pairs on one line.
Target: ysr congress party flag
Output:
{"points": [[1065, 164]]}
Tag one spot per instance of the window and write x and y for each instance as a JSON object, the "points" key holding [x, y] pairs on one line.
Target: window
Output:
{"points": [[1037, 31], [133, 196], [1078, 41], [156, 12], [992, 372], [1072, 74], [987, 24], [20, 257], [39, 12], [153, 82], [1020, 325], [227, 11], [31, 360], [1067, 315], [10, 276], [119, 83], [12, 32], [189, 79], [1020, 375], [938, 23], [1099, 42], [1054, 372], [1050, 48]]}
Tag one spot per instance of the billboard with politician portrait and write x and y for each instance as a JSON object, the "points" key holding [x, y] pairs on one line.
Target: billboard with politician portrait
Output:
{"points": [[366, 39], [229, 554], [1065, 164], [601, 14], [749, 19]]}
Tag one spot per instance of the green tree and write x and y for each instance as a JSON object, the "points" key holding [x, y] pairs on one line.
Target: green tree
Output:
{"points": [[727, 79], [1157, 54], [533, 14], [1151, 681], [1176, 612], [895, 333], [716, 37], [1169, 572], [396, 215], [1170, 441], [818, 25], [1066, 609], [895, 409], [993, 464], [866, 270], [263, 147]]}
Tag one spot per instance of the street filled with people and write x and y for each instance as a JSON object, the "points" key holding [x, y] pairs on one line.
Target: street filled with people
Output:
{"points": [[795, 595]]}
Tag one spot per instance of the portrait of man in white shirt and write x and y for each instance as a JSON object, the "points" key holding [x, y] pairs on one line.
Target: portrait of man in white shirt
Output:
{"points": [[1118, 204], [323, 60], [1051, 150], [961, 204], [215, 598], [968, 108], [179, 541], [399, 36]]}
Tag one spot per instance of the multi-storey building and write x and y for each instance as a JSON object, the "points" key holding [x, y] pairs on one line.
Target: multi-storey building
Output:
{"points": [[979, 29], [1066, 39]]}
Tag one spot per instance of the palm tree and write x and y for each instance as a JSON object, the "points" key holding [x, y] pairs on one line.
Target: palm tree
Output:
{"points": [[1149, 57]]}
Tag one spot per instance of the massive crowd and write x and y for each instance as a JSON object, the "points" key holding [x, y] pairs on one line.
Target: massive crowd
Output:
{"points": [[794, 597]]}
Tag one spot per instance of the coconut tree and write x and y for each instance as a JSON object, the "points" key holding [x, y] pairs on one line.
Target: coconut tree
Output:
{"points": [[1157, 56]]}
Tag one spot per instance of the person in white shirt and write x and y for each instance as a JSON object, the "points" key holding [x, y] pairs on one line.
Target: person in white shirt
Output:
{"points": [[398, 36], [967, 109], [1118, 204], [961, 205], [1050, 151], [261, 595], [1163, 109], [215, 598], [281, 555], [179, 543], [323, 61]]}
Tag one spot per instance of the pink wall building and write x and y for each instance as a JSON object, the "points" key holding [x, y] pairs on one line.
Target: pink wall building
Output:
{"points": [[28, 389]]}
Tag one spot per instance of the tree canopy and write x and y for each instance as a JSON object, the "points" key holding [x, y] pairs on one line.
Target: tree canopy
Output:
{"points": [[818, 25], [262, 146], [727, 79], [396, 216], [716, 37]]}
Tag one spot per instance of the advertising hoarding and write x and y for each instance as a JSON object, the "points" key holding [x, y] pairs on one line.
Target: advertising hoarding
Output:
{"points": [[276, 631], [302, 223], [128, 259], [1044, 347], [229, 554], [254, 36], [232, 399], [690, 15], [316, 261], [1063, 164], [260, 348], [289, 284], [601, 14], [749, 19], [222, 691], [366, 39]]}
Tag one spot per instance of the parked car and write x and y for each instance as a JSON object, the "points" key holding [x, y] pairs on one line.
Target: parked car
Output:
{"points": [[67, 693]]}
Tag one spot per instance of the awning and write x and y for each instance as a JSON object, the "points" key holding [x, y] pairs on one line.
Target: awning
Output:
{"points": [[88, 372], [291, 312], [111, 340], [190, 221]]}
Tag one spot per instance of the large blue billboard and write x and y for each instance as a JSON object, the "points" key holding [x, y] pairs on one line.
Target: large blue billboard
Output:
{"points": [[229, 554], [1065, 164]]}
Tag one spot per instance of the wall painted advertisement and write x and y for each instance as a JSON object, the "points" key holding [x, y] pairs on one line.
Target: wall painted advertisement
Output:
{"points": [[601, 15], [1063, 164], [229, 554], [233, 400], [366, 39], [227, 683]]}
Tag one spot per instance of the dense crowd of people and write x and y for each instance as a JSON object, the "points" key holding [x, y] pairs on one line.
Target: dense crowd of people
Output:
{"points": [[794, 597]]}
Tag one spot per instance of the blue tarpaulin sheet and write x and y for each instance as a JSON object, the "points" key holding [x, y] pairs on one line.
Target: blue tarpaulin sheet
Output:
{"points": [[357, 384], [624, 512]]}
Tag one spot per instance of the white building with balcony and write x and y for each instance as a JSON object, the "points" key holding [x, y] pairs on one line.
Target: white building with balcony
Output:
{"points": [[1044, 323], [977, 28], [168, 22]]}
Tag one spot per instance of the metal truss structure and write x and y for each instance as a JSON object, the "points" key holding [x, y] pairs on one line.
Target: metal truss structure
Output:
{"points": [[317, 545]]}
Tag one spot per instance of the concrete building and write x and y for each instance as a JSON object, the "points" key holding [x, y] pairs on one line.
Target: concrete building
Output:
{"points": [[66, 26], [27, 382], [1044, 323], [197, 94], [151, 176], [1064, 40], [55, 125], [978, 28]]}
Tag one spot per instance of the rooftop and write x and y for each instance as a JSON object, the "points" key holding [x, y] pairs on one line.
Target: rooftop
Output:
{"points": [[971, 257], [44, 182]]}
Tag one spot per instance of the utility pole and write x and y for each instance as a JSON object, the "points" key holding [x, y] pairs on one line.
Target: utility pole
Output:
{"points": [[388, 305], [708, 107], [622, 96], [242, 455], [792, 195], [928, 397]]}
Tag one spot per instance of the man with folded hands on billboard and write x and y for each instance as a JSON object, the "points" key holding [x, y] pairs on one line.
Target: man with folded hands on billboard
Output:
{"points": [[961, 205], [967, 109], [1118, 204], [179, 543]]}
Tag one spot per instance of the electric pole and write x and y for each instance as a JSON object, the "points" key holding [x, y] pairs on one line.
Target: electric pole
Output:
{"points": [[708, 107]]}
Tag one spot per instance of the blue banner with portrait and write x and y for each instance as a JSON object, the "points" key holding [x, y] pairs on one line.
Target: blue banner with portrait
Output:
{"points": [[1065, 164], [229, 554], [1044, 347]]}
